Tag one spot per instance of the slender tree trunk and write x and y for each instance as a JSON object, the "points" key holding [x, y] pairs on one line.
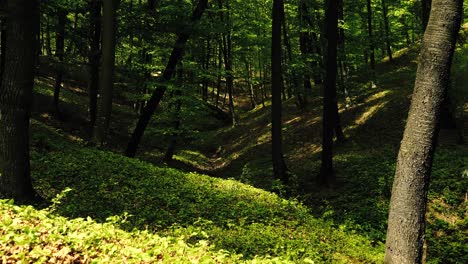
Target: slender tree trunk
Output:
{"points": [[3, 39], [292, 75], [387, 30], [206, 66], [227, 51], [248, 69], [59, 53], [406, 224], [48, 37], [177, 105], [341, 57], [327, 175], [107, 76], [305, 46], [262, 78], [218, 82], [370, 34], [314, 45], [158, 93], [94, 59], [15, 100], [279, 166]]}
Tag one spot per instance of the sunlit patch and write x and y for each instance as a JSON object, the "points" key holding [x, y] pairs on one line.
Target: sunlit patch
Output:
{"points": [[305, 151], [441, 211], [294, 120], [75, 138], [45, 115], [377, 96], [369, 113]]}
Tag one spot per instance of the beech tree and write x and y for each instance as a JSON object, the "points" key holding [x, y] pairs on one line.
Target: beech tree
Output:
{"points": [[59, 53], [15, 99], [107, 76], [279, 166], [94, 57], [330, 110], [406, 221]]}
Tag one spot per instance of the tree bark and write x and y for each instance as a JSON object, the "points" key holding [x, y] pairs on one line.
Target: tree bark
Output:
{"points": [[227, 51], [158, 93], [94, 59], [370, 34], [2, 46], [388, 45], [107, 76], [327, 175], [305, 47], [177, 106], [59, 54], [15, 100], [279, 166], [406, 223]]}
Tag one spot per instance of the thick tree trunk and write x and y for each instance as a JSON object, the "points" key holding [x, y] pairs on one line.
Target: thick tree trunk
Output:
{"points": [[406, 223], [59, 54], [279, 166], [15, 100], [327, 176], [158, 93], [94, 59], [107, 76]]}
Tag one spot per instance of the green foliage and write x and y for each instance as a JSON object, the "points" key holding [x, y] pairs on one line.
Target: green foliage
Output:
{"points": [[29, 235], [191, 212]]}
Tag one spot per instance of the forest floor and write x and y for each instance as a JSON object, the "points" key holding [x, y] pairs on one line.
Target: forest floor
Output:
{"points": [[151, 212]]}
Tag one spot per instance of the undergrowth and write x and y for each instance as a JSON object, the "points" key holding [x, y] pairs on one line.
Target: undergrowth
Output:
{"points": [[148, 213]]}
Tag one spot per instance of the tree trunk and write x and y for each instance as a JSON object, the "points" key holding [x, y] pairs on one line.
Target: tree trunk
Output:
{"points": [[59, 54], [292, 75], [94, 59], [370, 34], [327, 176], [15, 100], [2, 47], [227, 51], [48, 37], [248, 69], [206, 66], [158, 93], [406, 222], [279, 166], [388, 45], [218, 81], [107, 76], [177, 105], [305, 46]]}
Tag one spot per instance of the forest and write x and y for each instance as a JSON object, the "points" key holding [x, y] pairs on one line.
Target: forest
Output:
{"points": [[233, 131]]}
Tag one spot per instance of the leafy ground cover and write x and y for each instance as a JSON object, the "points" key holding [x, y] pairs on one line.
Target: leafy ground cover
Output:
{"points": [[149, 213]]}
